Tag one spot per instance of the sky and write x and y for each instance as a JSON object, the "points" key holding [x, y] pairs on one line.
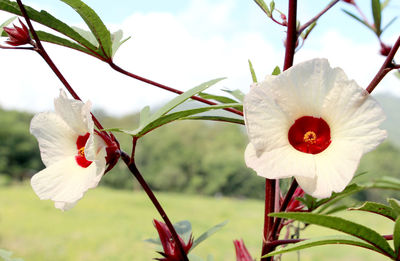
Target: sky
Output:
{"points": [[183, 43]]}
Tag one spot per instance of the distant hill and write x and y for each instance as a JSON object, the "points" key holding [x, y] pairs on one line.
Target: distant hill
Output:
{"points": [[391, 106]]}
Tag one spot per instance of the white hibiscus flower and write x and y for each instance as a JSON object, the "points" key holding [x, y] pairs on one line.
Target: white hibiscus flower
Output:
{"points": [[312, 123], [74, 155]]}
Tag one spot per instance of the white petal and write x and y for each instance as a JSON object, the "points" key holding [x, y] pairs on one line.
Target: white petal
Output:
{"points": [[354, 115], [280, 163], [335, 167], [301, 90], [75, 113], [55, 137], [95, 148], [65, 182], [267, 125]]}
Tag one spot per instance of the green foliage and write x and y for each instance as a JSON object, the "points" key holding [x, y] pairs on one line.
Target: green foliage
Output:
{"points": [[19, 153], [253, 73], [7, 256], [379, 209]]}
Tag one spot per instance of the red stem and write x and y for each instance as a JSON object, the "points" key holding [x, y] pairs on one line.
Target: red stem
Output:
{"points": [[268, 221], [132, 167], [162, 86], [40, 49], [387, 66], [315, 18], [291, 38]]}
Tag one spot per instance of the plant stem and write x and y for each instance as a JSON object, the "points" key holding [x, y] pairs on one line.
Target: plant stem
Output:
{"points": [[162, 86], [268, 221], [132, 167], [387, 66], [291, 37], [40, 49], [315, 18]]}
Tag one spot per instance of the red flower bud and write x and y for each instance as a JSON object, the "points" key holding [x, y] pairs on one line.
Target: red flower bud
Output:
{"points": [[385, 49], [294, 204], [113, 149], [349, 2], [18, 35], [171, 250], [242, 254]]}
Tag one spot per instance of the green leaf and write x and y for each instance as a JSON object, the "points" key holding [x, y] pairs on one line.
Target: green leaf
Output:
{"points": [[377, 208], [176, 116], [376, 12], [388, 24], [144, 116], [358, 19], [181, 98], [94, 23], [320, 241], [238, 94], [343, 225], [264, 7], [218, 98], [48, 20], [386, 183], [87, 35], [208, 233], [51, 38], [349, 190], [308, 30], [215, 118], [253, 73], [395, 204], [335, 209], [396, 236], [6, 23], [272, 6], [384, 4], [276, 71], [117, 41]]}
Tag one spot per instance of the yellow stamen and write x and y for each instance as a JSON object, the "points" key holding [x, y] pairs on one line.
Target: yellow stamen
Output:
{"points": [[81, 151], [310, 137]]}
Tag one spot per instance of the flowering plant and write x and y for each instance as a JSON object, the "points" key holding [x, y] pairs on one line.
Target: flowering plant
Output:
{"points": [[308, 127]]}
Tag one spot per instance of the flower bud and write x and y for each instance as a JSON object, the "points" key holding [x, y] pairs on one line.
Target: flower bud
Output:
{"points": [[242, 254], [18, 35], [385, 49]]}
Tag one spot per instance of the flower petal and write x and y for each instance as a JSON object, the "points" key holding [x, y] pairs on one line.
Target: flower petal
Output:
{"points": [[280, 163], [65, 182], [354, 115], [75, 113], [335, 168], [56, 139]]}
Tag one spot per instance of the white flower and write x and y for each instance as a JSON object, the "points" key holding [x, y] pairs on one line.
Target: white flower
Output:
{"points": [[74, 155], [311, 123]]}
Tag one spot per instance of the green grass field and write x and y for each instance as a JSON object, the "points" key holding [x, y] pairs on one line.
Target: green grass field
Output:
{"points": [[111, 225]]}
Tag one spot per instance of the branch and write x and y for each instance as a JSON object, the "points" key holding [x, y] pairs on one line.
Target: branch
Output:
{"points": [[162, 86], [291, 38], [315, 18], [387, 66]]}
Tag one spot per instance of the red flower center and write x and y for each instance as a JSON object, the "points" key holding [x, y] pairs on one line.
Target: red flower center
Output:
{"points": [[310, 135], [80, 145]]}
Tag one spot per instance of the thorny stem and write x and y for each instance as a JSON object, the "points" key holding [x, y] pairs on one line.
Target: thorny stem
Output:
{"points": [[315, 18], [40, 49], [162, 86], [132, 167], [387, 66]]}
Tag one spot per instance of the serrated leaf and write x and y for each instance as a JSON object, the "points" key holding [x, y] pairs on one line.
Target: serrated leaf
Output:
{"points": [[238, 94], [252, 72], [215, 118], [320, 241], [5, 24], [94, 23], [377, 208], [46, 19], [276, 71], [144, 116], [51, 38], [342, 225], [395, 204], [358, 19], [176, 116], [181, 98], [208, 233], [117, 41], [396, 236], [376, 13], [264, 7], [87, 35], [218, 98]]}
